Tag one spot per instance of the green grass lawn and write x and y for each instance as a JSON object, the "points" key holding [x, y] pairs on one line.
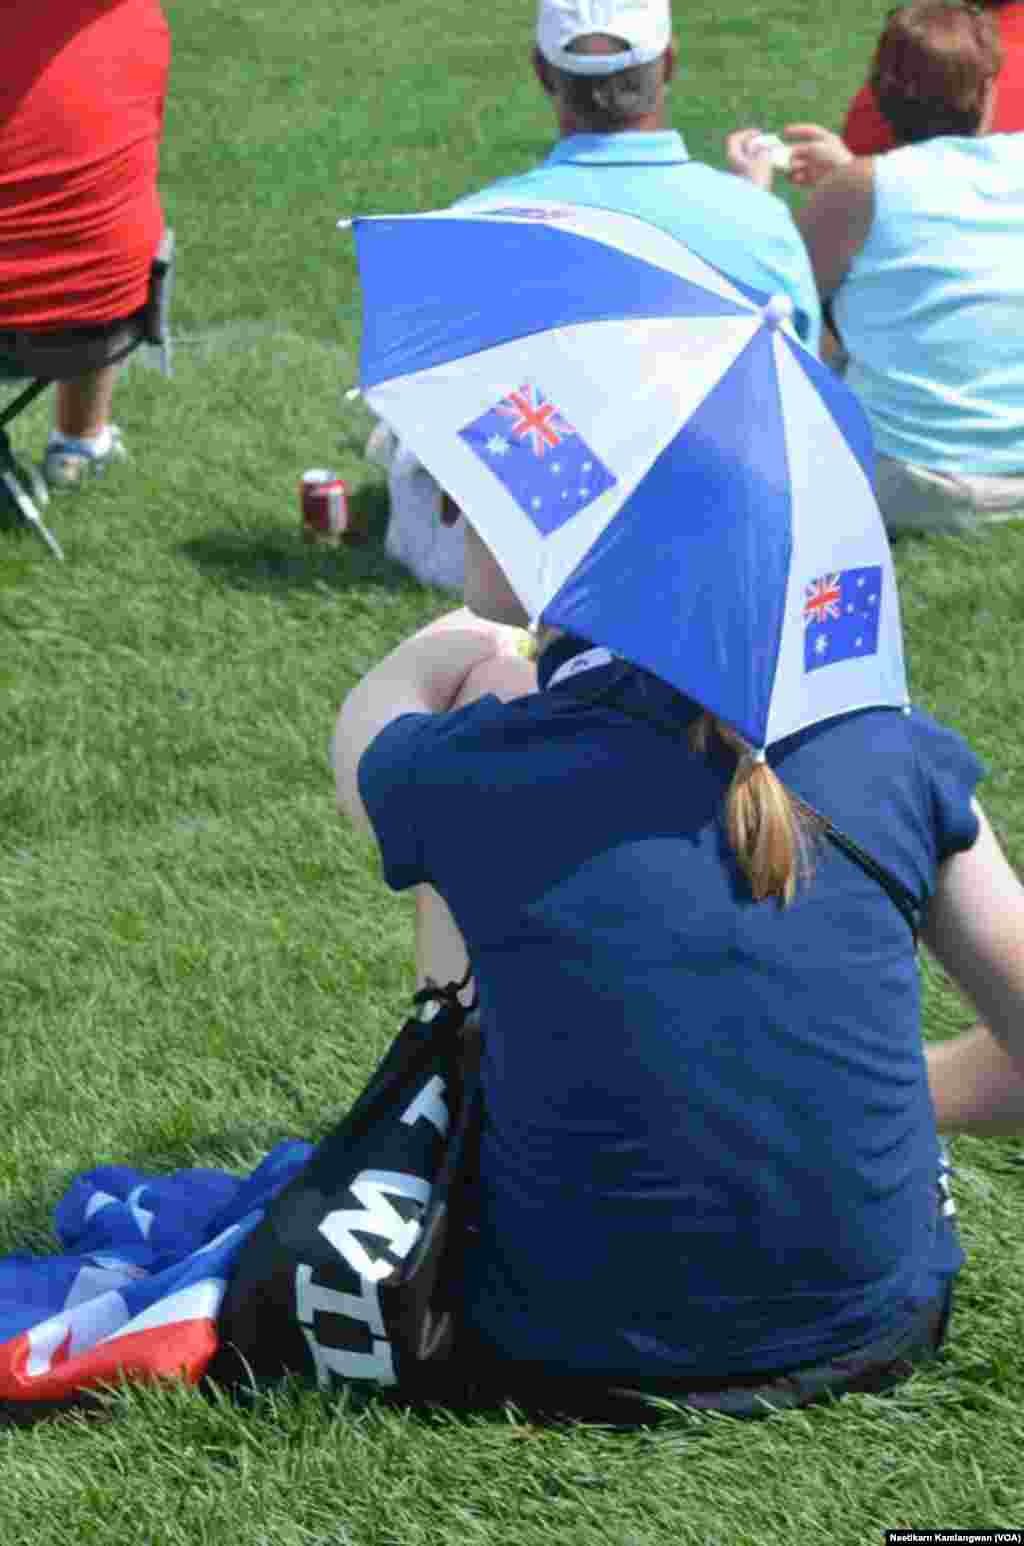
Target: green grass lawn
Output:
{"points": [[198, 958]]}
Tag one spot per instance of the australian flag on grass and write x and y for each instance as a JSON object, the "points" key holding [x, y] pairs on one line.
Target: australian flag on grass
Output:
{"points": [[841, 613], [543, 462], [138, 1287]]}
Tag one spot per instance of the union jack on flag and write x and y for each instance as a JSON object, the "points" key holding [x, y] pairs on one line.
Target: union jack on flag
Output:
{"points": [[841, 616], [534, 420], [533, 211], [538, 456], [822, 599]]}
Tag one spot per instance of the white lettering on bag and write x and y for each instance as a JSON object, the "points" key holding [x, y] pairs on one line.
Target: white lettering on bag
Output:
{"points": [[376, 1217], [346, 1364], [429, 1103]]}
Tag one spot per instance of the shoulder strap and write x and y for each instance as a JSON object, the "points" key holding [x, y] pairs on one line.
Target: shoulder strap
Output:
{"points": [[901, 897]]}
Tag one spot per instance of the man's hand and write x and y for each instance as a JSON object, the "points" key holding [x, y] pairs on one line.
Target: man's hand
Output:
{"points": [[815, 153], [750, 156]]}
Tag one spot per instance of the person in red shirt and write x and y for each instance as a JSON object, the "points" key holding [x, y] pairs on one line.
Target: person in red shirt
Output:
{"points": [[81, 117], [866, 132], [816, 152]]}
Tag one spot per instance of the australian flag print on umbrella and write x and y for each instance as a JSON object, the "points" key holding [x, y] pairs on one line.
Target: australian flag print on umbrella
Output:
{"points": [[538, 457], [841, 613], [657, 462]]}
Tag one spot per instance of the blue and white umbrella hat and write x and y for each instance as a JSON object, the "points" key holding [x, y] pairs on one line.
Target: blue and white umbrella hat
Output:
{"points": [[654, 458]]}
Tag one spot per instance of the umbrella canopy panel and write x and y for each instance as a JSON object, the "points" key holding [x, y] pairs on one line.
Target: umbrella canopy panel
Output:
{"points": [[656, 462], [439, 287]]}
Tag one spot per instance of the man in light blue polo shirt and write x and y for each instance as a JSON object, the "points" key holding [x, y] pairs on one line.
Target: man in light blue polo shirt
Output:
{"points": [[605, 65]]}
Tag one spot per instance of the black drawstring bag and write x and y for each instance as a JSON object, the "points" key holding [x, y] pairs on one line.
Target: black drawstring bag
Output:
{"points": [[353, 1273]]}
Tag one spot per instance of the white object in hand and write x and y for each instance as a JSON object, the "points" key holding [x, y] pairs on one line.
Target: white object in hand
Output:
{"points": [[779, 151]]}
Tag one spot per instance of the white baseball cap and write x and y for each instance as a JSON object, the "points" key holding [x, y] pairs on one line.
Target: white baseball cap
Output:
{"points": [[645, 25]]}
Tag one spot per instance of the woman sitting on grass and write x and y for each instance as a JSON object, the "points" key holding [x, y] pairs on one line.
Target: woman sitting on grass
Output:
{"points": [[917, 256], [709, 1165]]}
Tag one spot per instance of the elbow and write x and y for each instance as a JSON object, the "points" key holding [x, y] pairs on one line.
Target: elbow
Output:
{"points": [[344, 755]]}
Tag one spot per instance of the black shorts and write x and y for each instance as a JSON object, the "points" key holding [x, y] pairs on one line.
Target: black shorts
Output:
{"points": [[61, 354], [479, 1377]]}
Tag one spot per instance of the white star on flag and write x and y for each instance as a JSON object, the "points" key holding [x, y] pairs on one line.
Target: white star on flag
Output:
{"points": [[821, 644], [497, 445]]}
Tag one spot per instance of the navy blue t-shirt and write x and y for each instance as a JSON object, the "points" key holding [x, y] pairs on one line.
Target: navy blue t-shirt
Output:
{"points": [[709, 1146]]}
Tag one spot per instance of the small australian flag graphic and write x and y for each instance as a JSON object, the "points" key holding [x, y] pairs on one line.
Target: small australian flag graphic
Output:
{"points": [[547, 467], [841, 614]]}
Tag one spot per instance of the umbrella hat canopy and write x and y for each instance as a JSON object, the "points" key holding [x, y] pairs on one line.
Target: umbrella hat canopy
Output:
{"points": [[655, 460]]}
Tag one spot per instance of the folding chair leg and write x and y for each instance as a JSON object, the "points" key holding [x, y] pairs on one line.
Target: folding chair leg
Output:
{"points": [[27, 510]]}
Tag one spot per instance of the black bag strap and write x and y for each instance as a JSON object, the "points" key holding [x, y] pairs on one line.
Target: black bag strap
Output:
{"points": [[900, 895], [413, 1049]]}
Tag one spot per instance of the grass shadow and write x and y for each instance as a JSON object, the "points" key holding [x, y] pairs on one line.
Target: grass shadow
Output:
{"points": [[280, 562]]}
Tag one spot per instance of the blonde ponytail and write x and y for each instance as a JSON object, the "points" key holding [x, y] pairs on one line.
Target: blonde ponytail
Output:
{"points": [[771, 831]]}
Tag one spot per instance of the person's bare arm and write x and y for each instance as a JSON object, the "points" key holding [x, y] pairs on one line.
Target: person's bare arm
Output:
{"points": [[976, 1086], [815, 153], [975, 928], [835, 222], [424, 675]]}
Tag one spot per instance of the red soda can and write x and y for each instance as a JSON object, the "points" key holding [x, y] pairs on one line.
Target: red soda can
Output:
{"points": [[322, 496]]}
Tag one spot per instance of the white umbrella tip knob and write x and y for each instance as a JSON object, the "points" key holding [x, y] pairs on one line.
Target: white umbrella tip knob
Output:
{"points": [[778, 310]]}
